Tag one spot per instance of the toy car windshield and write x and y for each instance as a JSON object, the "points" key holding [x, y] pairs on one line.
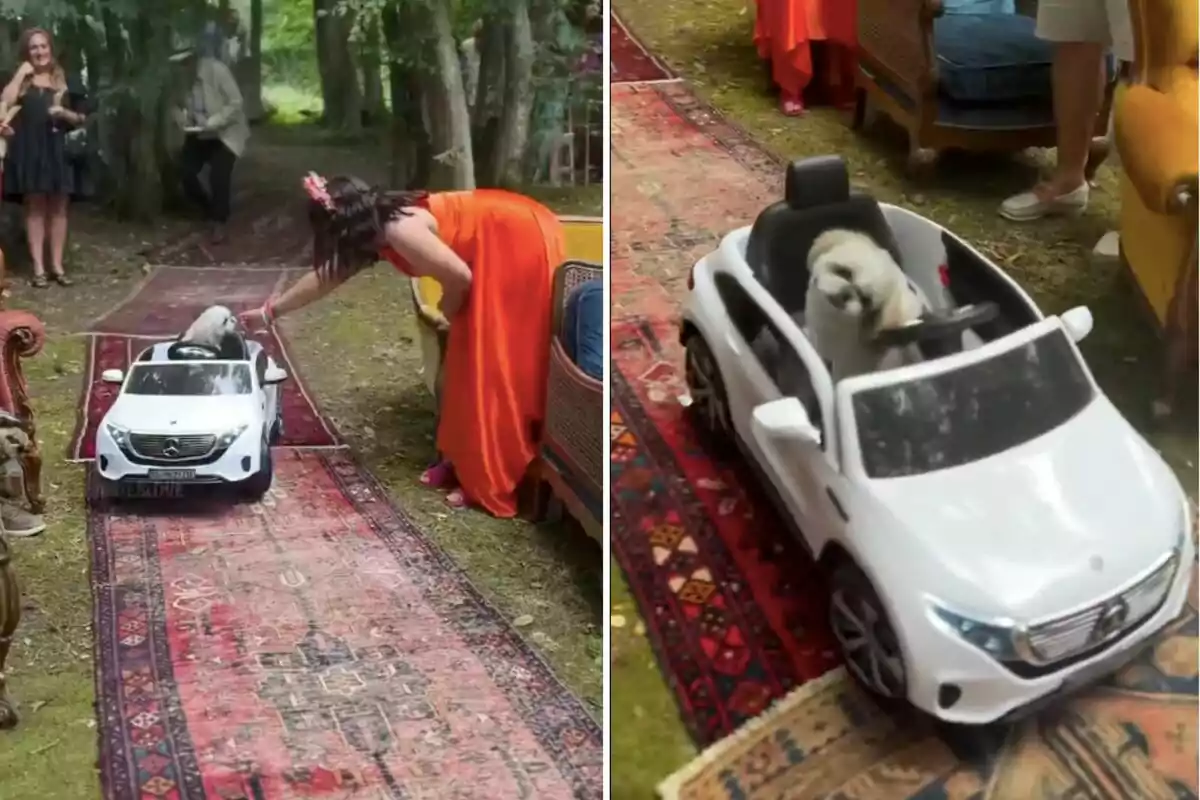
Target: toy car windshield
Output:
{"points": [[190, 379], [970, 412]]}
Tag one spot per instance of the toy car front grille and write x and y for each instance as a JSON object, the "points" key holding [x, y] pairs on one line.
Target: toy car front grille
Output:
{"points": [[171, 448], [1062, 638]]}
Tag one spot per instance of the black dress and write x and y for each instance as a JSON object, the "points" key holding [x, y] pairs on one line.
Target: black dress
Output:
{"points": [[37, 161]]}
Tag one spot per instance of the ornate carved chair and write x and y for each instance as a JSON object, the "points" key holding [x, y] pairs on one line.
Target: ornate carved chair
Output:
{"points": [[22, 335]]}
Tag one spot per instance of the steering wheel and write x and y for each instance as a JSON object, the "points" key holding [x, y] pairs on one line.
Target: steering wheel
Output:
{"points": [[939, 334], [191, 351]]}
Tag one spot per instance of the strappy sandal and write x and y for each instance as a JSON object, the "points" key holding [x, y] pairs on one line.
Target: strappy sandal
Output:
{"points": [[61, 279], [457, 499], [438, 475], [39, 282]]}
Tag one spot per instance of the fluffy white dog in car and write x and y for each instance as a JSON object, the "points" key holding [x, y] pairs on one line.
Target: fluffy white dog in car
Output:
{"points": [[855, 291], [211, 327]]}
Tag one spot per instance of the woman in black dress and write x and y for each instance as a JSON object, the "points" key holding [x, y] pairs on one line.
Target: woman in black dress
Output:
{"points": [[39, 171]]}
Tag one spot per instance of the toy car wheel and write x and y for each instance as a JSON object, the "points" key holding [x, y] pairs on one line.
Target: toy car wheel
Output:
{"points": [[710, 405], [867, 639], [258, 484]]}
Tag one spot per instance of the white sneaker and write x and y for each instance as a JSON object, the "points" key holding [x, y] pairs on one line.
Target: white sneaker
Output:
{"points": [[18, 522], [1027, 206]]}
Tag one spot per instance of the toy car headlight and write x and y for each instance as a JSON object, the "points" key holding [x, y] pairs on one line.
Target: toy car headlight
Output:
{"points": [[118, 434], [230, 436], [999, 640]]}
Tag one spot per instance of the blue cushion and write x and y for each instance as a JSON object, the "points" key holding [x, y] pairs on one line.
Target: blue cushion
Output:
{"points": [[991, 58], [980, 6], [583, 328]]}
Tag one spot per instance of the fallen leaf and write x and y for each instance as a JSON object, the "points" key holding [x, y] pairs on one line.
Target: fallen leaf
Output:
{"points": [[523, 620]]}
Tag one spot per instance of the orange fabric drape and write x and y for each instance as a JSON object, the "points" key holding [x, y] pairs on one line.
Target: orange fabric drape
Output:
{"points": [[497, 354], [785, 29]]}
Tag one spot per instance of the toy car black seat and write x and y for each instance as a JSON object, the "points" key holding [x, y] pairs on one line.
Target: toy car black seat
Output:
{"points": [[233, 347], [817, 198]]}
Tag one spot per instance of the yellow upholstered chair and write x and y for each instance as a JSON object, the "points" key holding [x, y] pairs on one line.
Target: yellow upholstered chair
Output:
{"points": [[1156, 136]]}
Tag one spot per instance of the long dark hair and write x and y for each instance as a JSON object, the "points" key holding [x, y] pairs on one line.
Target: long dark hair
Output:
{"points": [[347, 223]]}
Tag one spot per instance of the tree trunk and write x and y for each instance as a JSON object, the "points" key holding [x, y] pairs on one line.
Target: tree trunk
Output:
{"points": [[449, 121], [249, 66], [139, 186], [518, 93], [411, 151], [489, 92], [372, 81]]}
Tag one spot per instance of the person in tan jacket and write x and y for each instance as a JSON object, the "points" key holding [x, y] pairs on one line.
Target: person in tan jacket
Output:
{"points": [[216, 131]]}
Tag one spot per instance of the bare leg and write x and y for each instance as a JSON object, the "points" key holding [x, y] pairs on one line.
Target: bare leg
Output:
{"points": [[35, 232], [56, 210], [1078, 94]]}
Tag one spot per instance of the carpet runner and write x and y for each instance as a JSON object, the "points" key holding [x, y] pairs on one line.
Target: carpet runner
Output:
{"points": [[314, 644], [628, 61]]}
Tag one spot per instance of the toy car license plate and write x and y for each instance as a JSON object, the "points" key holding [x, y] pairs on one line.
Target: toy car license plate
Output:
{"points": [[171, 474], [1100, 670]]}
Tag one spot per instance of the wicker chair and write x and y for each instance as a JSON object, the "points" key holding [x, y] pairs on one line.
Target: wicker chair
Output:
{"points": [[953, 107], [21, 336], [571, 460]]}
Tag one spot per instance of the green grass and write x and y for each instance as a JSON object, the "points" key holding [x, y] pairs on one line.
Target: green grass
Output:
{"points": [[644, 702], [291, 105], [52, 754], [709, 42], [357, 349]]}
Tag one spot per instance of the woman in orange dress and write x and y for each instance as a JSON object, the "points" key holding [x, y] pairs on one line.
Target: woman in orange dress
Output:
{"points": [[494, 253]]}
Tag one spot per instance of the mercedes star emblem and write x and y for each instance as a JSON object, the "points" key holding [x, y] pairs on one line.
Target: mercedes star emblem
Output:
{"points": [[1112, 619], [171, 448]]}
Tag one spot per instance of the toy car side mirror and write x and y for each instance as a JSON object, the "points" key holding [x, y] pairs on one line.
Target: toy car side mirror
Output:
{"points": [[274, 375], [112, 376], [1077, 322], [786, 418]]}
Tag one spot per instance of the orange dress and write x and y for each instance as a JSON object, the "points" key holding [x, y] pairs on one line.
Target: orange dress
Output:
{"points": [[498, 351]]}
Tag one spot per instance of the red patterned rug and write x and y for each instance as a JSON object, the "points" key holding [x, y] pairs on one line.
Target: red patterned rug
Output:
{"points": [[316, 645], [629, 62], [735, 608]]}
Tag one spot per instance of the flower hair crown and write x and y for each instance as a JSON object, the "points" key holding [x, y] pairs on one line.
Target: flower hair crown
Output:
{"points": [[315, 186]]}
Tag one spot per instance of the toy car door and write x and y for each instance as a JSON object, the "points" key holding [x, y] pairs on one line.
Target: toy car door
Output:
{"points": [[795, 449], [269, 398]]}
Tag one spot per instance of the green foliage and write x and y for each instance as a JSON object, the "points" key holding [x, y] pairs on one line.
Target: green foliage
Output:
{"points": [[289, 54]]}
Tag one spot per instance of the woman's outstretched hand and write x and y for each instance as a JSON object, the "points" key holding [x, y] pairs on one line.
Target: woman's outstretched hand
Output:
{"points": [[254, 320]]}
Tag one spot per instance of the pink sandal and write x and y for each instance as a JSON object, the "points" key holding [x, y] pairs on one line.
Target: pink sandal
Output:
{"points": [[438, 476], [791, 107], [457, 499]]}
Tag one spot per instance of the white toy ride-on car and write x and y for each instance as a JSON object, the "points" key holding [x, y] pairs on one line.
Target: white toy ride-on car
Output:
{"points": [[995, 532], [193, 414]]}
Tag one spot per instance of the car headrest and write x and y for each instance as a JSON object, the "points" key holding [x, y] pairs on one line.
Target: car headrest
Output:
{"points": [[817, 198], [816, 181], [233, 347]]}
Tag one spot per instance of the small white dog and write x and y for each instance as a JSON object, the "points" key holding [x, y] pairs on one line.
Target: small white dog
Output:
{"points": [[211, 327], [856, 290]]}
